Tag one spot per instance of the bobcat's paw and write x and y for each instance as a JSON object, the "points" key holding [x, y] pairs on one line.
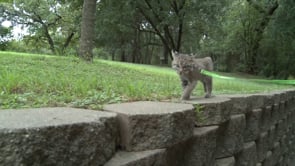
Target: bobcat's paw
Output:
{"points": [[184, 98], [207, 95]]}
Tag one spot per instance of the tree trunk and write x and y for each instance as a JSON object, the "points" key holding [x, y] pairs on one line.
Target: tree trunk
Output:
{"points": [[259, 30], [49, 39], [87, 30], [164, 30], [136, 39], [67, 42]]}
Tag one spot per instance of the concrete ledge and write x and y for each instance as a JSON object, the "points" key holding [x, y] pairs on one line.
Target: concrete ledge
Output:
{"points": [[51, 136], [142, 158], [211, 111], [153, 125], [240, 103], [230, 161]]}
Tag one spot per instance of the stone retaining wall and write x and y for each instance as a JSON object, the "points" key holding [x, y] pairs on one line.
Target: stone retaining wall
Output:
{"points": [[227, 130]]}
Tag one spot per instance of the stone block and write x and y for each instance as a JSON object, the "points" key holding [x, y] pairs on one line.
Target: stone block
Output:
{"points": [[268, 160], [258, 100], [211, 111], [266, 118], [229, 161], [240, 103], [275, 117], [289, 120], [155, 157], [201, 148], [148, 125], [247, 157], [272, 135], [288, 105], [281, 109], [273, 97], [262, 146], [231, 136], [289, 93], [284, 144], [276, 152], [57, 136], [280, 130], [253, 122]]}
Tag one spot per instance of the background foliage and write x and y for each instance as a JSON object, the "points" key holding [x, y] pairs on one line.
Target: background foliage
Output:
{"points": [[252, 36]]}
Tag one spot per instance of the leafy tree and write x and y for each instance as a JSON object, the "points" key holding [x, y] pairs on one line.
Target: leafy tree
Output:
{"points": [[5, 34], [116, 28], [140, 27], [51, 21], [278, 46], [266, 11], [244, 26]]}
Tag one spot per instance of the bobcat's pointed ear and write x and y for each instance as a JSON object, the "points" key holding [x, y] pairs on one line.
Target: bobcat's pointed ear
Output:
{"points": [[174, 54]]}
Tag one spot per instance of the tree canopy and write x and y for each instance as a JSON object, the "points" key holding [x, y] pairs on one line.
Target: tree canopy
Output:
{"points": [[250, 36]]}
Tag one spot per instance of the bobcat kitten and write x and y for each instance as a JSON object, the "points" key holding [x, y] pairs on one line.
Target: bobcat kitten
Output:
{"points": [[188, 69]]}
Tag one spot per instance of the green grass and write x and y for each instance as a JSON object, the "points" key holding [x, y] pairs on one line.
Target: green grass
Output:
{"points": [[30, 80]]}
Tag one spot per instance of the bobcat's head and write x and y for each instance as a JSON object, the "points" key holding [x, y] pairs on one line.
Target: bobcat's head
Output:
{"points": [[182, 63]]}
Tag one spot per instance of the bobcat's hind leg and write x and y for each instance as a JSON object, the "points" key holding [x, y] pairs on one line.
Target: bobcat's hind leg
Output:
{"points": [[207, 83]]}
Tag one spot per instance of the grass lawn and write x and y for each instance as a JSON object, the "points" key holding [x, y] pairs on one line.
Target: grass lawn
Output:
{"points": [[31, 80]]}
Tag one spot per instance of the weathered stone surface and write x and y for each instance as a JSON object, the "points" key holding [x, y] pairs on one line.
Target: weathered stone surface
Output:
{"points": [[247, 157], [280, 130], [289, 120], [258, 100], [211, 111], [153, 125], [282, 111], [230, 161], [271, 135], [253, 122], [276, 152], [240, 103], [290, 161], [200, 149], [268, 160], [284, 144], [231, 137], [56, 136], [275, 117], [266, 118], [155, 157], [262, 146]]}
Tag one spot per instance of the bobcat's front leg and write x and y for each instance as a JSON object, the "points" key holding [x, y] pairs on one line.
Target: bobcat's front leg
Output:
{"points": [[188, 90], [184, 82]]}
